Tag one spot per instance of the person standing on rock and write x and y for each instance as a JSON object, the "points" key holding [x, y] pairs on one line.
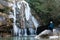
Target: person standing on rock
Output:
{"points": [[51, 26], [47, 32]]}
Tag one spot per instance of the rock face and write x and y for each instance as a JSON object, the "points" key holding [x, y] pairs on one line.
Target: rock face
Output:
{"points": [[5, 24], [1, 7], [44, 34], [41, 28]]}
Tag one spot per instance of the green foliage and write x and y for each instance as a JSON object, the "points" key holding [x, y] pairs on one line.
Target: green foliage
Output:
{"points": [[46, 9]]}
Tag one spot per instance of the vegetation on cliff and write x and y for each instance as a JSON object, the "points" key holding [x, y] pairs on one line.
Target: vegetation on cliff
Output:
{"points": [[46, 9]]}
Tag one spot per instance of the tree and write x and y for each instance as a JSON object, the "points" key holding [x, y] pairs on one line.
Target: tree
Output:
{"points": [[46, 9]]}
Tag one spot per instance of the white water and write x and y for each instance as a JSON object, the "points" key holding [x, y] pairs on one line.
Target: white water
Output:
{"points": [[15, 28], [27, 12], [25, 32], [27, 9], [35, 22], [28, 17]]}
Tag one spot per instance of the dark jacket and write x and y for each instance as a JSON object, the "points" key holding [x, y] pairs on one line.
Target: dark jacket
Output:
{"points": [[51, 26]]}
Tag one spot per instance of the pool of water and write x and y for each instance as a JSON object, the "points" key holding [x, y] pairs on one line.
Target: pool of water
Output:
{"points": [[21, 38]]}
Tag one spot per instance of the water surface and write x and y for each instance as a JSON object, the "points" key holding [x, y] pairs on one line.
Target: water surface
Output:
{"points": [[22, 38]]}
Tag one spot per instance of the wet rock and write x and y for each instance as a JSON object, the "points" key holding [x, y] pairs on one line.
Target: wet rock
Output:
{"points": [[5, 35]]}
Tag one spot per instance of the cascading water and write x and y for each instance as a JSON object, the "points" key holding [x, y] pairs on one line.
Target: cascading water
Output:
{"points": [[15, 28], [28, 17], [35, 23], [32, 21]]}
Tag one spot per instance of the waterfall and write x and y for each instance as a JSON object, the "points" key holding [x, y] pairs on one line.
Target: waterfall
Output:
{"points": [[15, 28], [28, 14], [28, 17], [35, 22], [27, 9]]}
